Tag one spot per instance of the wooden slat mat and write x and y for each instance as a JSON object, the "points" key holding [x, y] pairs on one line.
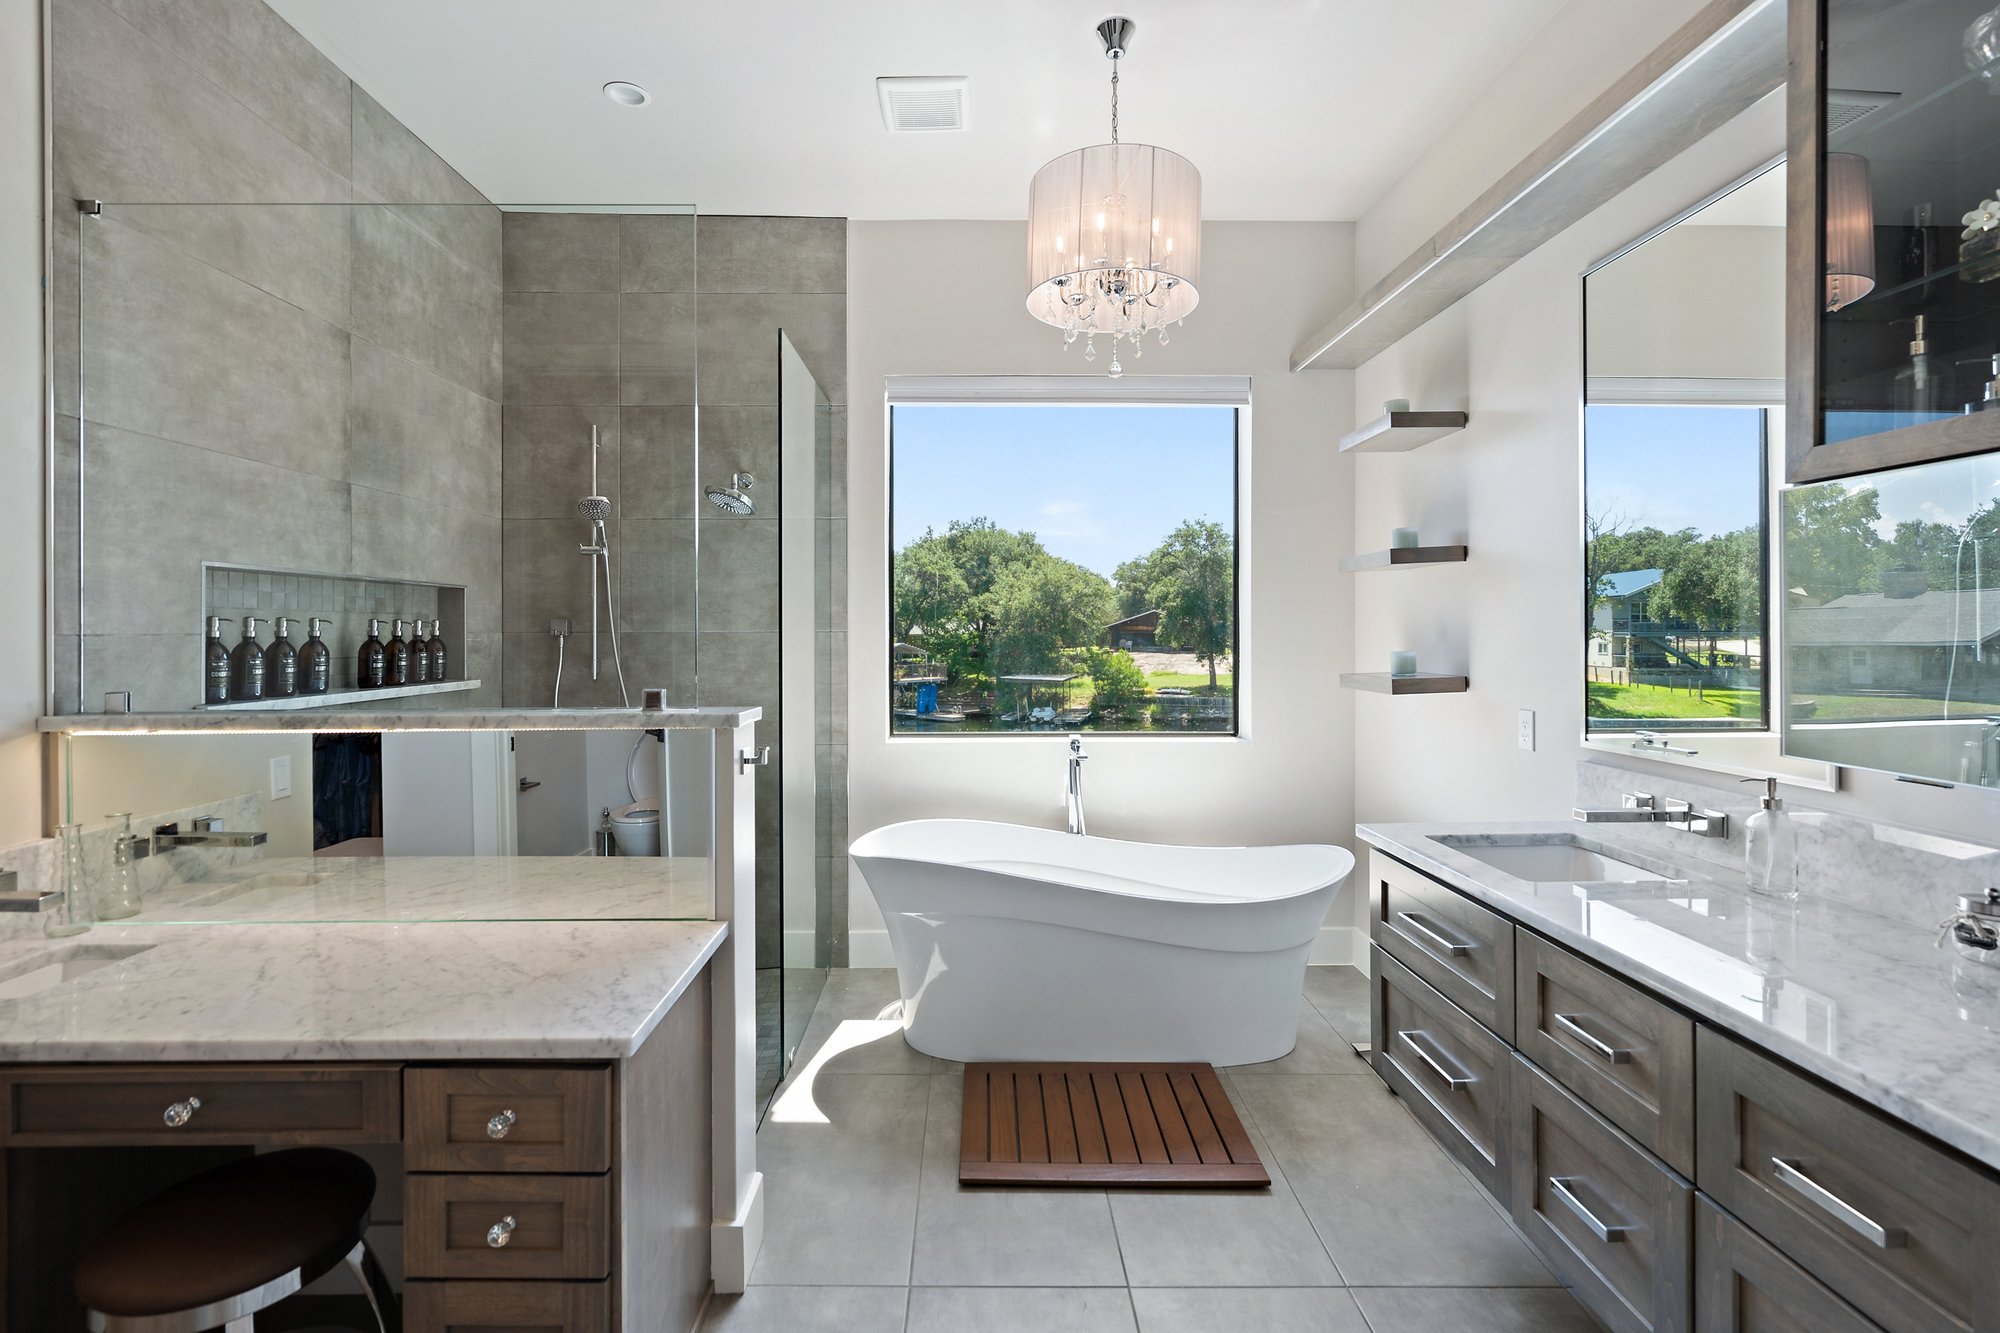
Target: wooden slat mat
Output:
{"points": [[1102, 1124]]}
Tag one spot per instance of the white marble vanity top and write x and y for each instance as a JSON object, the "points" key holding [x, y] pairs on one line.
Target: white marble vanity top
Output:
{"points": [[522, 990], [713, 718], [1863, 1001]]}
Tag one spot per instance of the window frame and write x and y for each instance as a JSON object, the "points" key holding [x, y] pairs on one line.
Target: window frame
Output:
{"points": [[1232, 391]]}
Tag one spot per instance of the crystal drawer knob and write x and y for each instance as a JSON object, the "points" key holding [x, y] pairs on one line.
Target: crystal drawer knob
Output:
{"points": [[181, 1112], [500, 1233], [499, 1125]]}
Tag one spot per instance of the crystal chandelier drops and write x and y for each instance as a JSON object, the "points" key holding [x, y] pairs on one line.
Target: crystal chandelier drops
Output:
{"points": [[1114, 235]]}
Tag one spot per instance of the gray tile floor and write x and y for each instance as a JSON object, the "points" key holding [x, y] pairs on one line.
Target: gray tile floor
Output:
{"points": [[1367, 1226]]}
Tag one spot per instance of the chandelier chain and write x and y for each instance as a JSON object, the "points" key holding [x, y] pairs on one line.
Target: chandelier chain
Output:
{"points": [[1114, 98]]}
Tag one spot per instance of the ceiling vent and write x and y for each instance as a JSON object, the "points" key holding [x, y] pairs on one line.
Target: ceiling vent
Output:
{"points": [[1844, 106], [923, 105]]}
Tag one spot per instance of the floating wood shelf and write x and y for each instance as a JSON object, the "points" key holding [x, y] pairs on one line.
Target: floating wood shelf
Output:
{"points": [[335, 698], [1423, 682], [1401, 557], [1396, 432]]}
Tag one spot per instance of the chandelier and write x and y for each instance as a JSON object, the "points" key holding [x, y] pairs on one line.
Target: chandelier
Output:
{"points": [[1114, 235]]}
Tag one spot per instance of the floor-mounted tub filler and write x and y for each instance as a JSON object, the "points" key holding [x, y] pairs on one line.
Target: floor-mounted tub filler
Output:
{"points": [[1017, 943]]}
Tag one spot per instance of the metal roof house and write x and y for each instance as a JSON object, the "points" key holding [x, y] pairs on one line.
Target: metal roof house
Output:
{"points": [[1883, 641], [1137, 631]]}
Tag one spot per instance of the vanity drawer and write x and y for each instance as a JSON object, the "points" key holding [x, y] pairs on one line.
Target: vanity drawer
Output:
{"points": [[258, 1104], [507, 1118], [1743, 1285], [1613, 1223], [456, 1226], [1451, 1072], [516, 1307], [1622, 1051], [1906, 1232], [1453, 943]]}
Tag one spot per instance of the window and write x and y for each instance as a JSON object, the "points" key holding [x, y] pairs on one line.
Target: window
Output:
{"points": [[1063, 566], [1676, 567]]}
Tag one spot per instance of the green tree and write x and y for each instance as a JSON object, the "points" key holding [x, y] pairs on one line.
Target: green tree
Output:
{"points": [[1116, 680], [944, 584], [1714, 585], [1135, 580], [1042, 608], [1832, 546], [1194, 586]]}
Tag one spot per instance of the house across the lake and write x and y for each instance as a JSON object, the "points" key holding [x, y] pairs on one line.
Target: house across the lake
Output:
{"points": [[1899, 641], [1140, 631]]}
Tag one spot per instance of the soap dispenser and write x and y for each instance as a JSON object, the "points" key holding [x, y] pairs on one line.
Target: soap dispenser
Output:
{"points": [[1771, 847], [246, 664], [371, 664], [315, 661], [399, 657], [215, 665], [420, 656], [437, 654], [281, 663]]}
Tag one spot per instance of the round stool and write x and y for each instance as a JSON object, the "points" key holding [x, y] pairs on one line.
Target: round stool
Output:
{"points": [[212, 1251]]}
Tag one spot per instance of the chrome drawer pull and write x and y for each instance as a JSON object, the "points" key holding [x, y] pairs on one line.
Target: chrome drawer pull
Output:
{"points": [[500, 1233], [1596, 1046], [499, 1125], [1559, 1186], [1841, 1211], [1437, 1066], [1441, 942], [181, 1112]]}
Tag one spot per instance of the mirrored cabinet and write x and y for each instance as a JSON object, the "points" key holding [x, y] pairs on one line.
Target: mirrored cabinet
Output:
{"points": [[1893, 299]]}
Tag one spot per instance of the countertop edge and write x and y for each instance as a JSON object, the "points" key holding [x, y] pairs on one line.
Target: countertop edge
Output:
{"points": [[705, 718], [1980, 1143]]}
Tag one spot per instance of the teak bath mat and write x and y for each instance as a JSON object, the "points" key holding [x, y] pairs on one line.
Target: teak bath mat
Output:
{"points": [[1102, 1124]]}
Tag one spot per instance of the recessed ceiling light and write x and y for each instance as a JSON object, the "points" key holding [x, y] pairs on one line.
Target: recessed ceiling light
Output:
{"points": [[627, 94]]}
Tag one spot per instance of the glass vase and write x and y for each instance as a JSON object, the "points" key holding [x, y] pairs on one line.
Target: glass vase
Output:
{"points": [[121, 892], [71, 913]]}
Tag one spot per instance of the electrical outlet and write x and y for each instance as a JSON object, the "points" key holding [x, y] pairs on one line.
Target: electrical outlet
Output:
{"points": [[1524, 728], [281, 777]]}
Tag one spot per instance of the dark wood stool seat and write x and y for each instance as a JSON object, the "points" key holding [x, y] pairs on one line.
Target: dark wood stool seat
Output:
{"points": [[213, 1250]]}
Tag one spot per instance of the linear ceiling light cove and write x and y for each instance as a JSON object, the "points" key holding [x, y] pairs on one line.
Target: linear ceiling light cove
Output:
{"points": [[1114, 235]]}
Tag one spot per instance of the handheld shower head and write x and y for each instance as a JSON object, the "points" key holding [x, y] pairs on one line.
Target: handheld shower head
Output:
{"points": [[594, 508], [735, 497]]}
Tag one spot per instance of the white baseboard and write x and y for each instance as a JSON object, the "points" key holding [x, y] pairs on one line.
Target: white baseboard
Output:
{"points": [[1334, 946], [733, 1245], [869, 948], [799, 947]]}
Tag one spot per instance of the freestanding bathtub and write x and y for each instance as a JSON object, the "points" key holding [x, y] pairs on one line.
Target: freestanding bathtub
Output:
{"points": [[1017, 943]]}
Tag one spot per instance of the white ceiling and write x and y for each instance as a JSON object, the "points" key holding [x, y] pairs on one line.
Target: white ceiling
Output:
{"points": [[1292, 109]]}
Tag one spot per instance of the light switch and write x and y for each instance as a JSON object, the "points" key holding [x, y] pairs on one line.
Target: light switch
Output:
{"points": [[281, 777], [1525, 728]]}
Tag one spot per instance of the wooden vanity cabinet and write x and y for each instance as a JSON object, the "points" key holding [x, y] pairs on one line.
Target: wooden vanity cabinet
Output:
{"points": [[538, 1196]]}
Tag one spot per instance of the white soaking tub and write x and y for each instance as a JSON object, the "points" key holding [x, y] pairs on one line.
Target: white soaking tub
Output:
{"points": [[1016, 943]]}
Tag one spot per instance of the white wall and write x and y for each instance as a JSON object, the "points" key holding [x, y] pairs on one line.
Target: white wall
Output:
{"points": [[945, 298], [1511, 353], [1579, 53], [1692, 303], [22, 563], [144, 774]]}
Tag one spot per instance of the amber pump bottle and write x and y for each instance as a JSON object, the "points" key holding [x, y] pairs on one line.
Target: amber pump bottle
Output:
{"points": [[371, 664], [281, 663], [437, 652], [315, 661], [215, 665], [246, 664], [399, 656], [420, 656]]}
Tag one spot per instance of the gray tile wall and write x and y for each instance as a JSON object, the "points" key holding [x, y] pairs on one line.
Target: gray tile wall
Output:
{"points": [[606, 320], [280, 345]]}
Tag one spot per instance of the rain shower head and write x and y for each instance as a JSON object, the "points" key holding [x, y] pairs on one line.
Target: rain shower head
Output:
{"points": [[593, 508], [735, 497]]}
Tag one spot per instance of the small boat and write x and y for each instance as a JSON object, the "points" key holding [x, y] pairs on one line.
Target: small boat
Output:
{"points": [[912, 715]]}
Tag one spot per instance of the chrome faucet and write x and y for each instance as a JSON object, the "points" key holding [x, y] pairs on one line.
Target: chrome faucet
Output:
{"points": [[1643, 808], [1073, 792], [13, 898], [202, 831]]}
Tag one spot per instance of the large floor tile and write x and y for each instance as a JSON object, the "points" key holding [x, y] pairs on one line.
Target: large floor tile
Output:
{"points": [[841, 1155], [1210, 1309], [1341, 996], [1392, 1209], [1222, 1238], [857, 1016], [808, 1310], [1473, 1310], [1018, 1309], [1004, 1237]]}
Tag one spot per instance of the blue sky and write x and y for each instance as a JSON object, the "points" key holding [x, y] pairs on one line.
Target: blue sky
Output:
{"points": [[1674, 467], [1098, 485]]}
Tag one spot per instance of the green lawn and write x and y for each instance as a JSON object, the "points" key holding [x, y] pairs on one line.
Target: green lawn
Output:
{"points": [[1640, 702], [1186, 680]]}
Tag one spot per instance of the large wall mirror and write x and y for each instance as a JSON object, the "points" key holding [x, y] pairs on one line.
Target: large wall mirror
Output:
{"points": [[1683, 427]]}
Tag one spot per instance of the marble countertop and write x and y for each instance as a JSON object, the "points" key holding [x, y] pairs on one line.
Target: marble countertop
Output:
{"points": [[373, 889], [541, 990], [716, 718], [1864, 1001]]}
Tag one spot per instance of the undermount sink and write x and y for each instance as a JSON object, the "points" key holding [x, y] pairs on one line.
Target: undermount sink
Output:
{"points": [[54, 967], [1552, 862]]}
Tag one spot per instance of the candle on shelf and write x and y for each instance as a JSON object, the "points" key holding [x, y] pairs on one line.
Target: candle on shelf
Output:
{"points": [[1394, 405], [1403, 538], [1402, 662]]}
